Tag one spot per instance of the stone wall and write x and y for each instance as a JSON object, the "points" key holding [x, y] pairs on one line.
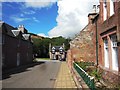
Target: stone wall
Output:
{"points": [[83, 46]]}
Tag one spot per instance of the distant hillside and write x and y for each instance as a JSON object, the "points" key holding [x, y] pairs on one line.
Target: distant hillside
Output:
{"points": [[36, 36]]}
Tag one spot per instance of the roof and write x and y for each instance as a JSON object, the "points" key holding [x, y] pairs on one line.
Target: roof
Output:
{"points": [[57, 48], [6, 28], [92, 14], [14, 32]]}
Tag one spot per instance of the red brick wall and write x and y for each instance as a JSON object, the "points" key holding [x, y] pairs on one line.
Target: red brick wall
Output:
{"points": [[105, 29]]}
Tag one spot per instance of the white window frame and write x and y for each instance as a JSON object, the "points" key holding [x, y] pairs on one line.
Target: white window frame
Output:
{"points": [[111, 7], [106, 53], [114, 52], [104, 11]]}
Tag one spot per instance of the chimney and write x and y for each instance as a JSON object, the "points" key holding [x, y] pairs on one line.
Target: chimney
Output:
{"points": [[94, 8], [21, 28], [92, 15]]}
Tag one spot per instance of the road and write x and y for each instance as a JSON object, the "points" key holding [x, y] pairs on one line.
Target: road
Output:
{"points": [[38, 76]]}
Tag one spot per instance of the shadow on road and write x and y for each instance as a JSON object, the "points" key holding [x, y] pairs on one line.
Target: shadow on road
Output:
{"points": [[7, 73]]}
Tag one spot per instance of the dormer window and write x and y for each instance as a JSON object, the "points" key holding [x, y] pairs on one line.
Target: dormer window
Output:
{"points": [[26, 36], [16, 32]]}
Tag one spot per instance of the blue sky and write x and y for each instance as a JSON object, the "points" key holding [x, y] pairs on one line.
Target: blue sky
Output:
{"points": [[50, 18], [36, 20]]}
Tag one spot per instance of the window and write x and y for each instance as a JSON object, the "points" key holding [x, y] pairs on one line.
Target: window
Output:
{"points": [[114, 52], [19, 43], [106, 53], [104, 10], [3, 59], [3, 39], [111, 7], [18, 59], [0, 40], [27, 57]]}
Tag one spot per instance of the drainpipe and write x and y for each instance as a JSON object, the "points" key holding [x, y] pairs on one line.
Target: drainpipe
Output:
{"points": [[96, 42]]}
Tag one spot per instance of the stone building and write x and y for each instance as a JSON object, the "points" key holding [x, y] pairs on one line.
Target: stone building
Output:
{"points": [[16, 46], [108, 26], [104, 46], [83, 45], [57, 52]]}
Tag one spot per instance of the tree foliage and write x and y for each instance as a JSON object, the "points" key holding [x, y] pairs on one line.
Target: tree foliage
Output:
{"points": [[41, 46]]}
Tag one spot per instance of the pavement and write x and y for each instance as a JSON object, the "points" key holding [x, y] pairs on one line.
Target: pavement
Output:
{"points": [[64, 78]]}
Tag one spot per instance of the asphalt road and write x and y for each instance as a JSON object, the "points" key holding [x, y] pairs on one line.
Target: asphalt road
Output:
{"points": [[38, 76]]}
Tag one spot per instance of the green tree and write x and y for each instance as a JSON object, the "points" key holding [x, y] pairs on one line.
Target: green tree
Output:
{"points": [[41, 46]]}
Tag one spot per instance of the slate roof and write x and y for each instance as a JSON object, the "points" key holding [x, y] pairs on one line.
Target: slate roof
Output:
{"points": [[57, 48], [14, 32], [7, 29]]}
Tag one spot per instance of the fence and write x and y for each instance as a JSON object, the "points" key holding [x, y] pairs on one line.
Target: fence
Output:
{"points": [[88, 79]]}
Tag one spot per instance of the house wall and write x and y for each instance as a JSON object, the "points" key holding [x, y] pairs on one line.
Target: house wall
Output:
{"points": [[105, 30], [117, 10], [9, 50], [83, 46], [11, 46]]}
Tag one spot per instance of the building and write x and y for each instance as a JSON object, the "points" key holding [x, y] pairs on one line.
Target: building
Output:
{"points": [[108, 26], [105, 40], [83, 45], [16, 46], [57, 52]]}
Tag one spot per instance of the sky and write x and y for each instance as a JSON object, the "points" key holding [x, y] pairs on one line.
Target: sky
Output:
{"points": [[49, 18]]}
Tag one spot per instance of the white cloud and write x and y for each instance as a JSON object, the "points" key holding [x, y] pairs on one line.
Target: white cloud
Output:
{"points": [[34, 3], [39, 3], [42, 34], [18, 19], [30, 12], [35, 19], [72, 17], [28, 0]]}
